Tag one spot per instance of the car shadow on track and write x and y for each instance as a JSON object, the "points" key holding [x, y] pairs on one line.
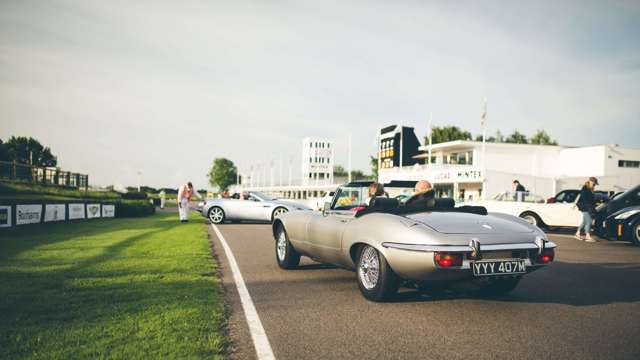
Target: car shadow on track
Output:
{"points": [[577, 284]]}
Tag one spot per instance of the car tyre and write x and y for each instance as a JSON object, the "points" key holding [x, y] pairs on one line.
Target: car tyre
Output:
{"points": [[277, 212], [286, 255], [635, 233], [376, 279], [216, 215], [532, 218], [499, 287]]}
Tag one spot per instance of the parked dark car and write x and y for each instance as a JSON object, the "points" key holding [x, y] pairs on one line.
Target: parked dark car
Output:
{"points": [[627, 199], [624, 225]]}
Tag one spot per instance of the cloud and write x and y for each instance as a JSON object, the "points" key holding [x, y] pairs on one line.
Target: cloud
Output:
{"points": [[164, 87]]}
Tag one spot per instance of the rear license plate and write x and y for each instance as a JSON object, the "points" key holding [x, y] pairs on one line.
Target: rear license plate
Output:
{"points": [[498, 267]]}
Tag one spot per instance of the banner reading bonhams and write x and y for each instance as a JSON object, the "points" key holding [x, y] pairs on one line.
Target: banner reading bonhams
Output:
{"points": [[93, 211], [108, 211], [28, 214], [76, 211], [5, 216], [55, 212]]}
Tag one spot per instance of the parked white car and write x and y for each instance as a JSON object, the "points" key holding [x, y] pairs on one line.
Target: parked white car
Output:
{"points": [[534, 209]]}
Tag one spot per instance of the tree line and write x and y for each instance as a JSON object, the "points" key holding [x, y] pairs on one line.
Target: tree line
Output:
{"points": [[452, 133], [28, 151]]}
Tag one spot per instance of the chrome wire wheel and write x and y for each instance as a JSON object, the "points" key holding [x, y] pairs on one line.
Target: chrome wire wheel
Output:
{"points": [[282, 246], [530, 219], [216, 215], [369, 268], [637, 233], [279, 211]]}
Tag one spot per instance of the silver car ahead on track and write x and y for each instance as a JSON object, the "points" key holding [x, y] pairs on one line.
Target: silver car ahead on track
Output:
{"points": [[256, 207], [424, 247]]}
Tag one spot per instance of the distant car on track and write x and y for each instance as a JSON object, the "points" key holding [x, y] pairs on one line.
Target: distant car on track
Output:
{"points": [[390, 245], [257, 207]]}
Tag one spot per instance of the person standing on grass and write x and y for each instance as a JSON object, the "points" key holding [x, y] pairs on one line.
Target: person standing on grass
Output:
{"points": [[184, 196], [162, 196], [587, 205]]}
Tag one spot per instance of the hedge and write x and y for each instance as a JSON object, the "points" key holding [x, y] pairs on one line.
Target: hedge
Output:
{"points": [[134, 195], [134, 208]]}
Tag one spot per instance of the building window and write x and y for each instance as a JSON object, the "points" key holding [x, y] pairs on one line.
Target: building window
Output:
{"points": [[629, 163]]}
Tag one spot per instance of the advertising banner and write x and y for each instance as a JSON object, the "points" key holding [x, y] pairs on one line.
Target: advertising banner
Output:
{"points": [[55, 212], [5, 216], [76, 211], [93, 211], [108, 211], [28, 214]]}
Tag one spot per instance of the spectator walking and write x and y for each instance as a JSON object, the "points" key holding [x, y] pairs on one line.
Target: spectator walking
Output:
{"points": [[587, 205], [184, 196]]}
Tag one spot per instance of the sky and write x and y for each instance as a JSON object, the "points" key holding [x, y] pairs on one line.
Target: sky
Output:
{"points": [[161, 88]]}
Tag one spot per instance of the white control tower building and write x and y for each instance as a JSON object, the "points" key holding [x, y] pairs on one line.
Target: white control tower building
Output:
{"points": [[317, 161]]}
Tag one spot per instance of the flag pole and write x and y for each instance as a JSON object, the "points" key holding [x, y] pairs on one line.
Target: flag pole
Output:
{"points": [[430, 135], [349, 152], [484, 150]]}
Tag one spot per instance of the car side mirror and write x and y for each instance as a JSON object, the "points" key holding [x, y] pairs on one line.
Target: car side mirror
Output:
{"points": [[326, 207]]}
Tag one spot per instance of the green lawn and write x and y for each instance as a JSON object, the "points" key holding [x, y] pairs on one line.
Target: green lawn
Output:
{"points": [[110, 288]]}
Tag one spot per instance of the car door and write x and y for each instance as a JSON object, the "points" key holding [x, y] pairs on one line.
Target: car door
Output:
{"points": [[257, 209], [559, 214], [324, 233]]}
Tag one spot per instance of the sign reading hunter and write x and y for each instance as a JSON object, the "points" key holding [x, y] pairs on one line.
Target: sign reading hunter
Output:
{"points": [[28, 214], [93, 211], [5, 216], [76, 211], [108, 211], [55, 212]]}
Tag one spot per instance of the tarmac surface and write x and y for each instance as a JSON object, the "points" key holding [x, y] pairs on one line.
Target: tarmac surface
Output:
{"points": [[586, 305]]}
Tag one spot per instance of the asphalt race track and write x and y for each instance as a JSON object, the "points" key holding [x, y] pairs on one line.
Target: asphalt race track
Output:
{"points": [[586, 305]]}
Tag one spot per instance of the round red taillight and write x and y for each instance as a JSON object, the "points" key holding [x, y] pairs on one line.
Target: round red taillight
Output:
{"points": [[448, 259], [546, 257]]}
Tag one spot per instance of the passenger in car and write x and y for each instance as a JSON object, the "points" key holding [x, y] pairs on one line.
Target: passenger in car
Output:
{"points": [[375, 189], [424, 195]]}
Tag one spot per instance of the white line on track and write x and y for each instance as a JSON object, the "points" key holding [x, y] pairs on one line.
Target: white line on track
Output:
{"points": [[259, 336]]}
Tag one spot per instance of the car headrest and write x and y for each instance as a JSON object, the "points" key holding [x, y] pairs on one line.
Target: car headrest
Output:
{"points": [[385, 202], [445, 203]]}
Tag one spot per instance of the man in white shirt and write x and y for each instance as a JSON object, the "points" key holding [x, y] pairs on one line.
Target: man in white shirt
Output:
{"points": [[184, 196]]}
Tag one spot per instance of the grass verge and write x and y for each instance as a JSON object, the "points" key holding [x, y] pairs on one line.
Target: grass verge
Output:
{"points": [[110, 288]]}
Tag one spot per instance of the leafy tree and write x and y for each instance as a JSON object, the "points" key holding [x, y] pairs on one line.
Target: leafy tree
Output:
{"points": [[516, 138], [4, 152], [498, 138], [148, 189], [447, 133], [222, 173], [542, 138], [339, 171], [358, 175], [27, 151], [374, 166]]}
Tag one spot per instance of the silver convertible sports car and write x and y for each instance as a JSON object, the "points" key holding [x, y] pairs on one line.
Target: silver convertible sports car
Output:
{"points": [[255, 206], [425, 246]]}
